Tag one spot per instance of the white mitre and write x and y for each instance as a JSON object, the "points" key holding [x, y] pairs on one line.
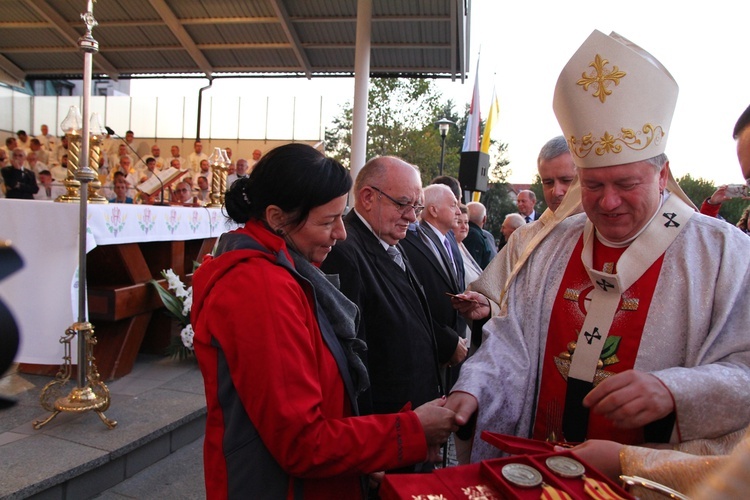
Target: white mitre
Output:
{"points": [[614, 102]]}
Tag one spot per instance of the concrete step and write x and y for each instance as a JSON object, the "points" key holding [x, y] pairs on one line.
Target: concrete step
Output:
{"points": [[160, 408], [177, 476]]}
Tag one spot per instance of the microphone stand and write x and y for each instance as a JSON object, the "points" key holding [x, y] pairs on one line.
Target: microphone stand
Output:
{"points": [[112, 132], [163, 201]]}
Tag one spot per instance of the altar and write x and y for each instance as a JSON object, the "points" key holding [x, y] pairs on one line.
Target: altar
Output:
{"points": [[127, 245]]}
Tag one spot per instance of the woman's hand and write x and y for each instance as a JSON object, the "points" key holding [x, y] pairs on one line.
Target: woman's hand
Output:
{"points": [[437, 421], [375, 479]]}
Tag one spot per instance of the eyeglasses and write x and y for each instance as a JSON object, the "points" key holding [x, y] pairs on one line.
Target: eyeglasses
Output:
{"points": [[402, 207]]}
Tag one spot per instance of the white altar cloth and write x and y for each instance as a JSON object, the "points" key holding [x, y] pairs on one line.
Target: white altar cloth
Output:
{"points": [[43, 295]]}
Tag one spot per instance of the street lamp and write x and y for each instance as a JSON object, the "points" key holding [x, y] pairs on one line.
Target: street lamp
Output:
{"points": [[443, 125]]}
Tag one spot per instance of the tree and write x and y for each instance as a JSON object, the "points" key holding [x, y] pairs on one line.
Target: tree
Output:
{"points": [[696, 189], [497, 198], [700, 189], [401, 122], [541, 203], [732, 210]]}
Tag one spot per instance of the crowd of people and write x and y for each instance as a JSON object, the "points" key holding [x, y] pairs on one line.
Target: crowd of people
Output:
{"points": [[37, 168], [336, 345]]}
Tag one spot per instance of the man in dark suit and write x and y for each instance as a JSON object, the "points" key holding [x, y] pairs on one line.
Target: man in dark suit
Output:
{"points": [[526, 201], [430, 255], [455, 186], [20, 182], [401, 355], [476, 242]]}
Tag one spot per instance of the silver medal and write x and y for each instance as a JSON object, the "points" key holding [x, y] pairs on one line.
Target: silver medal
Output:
{"points": [[522, 475], [565, 466]]}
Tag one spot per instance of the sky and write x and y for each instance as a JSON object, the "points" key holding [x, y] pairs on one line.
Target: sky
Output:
{"points": [[523, 45]]}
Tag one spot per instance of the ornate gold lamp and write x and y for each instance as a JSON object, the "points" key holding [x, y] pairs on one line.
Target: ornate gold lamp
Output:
{"points": [[90, 393], [72, 125], [97, 132], [219, 162]]}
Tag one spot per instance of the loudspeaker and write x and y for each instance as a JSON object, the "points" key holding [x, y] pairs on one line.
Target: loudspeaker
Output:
{"points": [[474, 171]]}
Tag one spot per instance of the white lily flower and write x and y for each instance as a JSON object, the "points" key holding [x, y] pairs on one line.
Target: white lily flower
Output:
{"points": [[187, 336]]}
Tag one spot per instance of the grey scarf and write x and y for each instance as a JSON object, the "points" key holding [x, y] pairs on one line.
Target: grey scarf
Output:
{"points": [[342, 313]]}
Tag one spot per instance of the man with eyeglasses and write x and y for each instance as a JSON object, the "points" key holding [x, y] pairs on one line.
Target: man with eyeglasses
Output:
{"points": [[183, 194], [20, 182], [401, 356]]}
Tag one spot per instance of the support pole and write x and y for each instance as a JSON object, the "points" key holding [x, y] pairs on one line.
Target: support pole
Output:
{"points": [[361, 82]]}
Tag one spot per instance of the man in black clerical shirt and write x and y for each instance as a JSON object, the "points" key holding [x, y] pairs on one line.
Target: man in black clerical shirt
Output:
{"points": [[19, 182]]}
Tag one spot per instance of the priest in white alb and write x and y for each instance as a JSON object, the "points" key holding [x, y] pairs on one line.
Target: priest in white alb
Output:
{"points": [[627, 322]]}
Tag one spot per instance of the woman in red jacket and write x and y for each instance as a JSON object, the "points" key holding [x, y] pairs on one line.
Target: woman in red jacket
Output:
{"points": [[276, 343]]}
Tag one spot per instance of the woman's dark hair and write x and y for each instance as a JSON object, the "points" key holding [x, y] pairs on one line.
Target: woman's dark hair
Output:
{"points": [[294, 177]]}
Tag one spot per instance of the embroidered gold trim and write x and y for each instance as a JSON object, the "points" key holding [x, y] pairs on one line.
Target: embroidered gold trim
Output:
{"points": [[637, 141], [563, 367], [573, 295], [601, 78]]}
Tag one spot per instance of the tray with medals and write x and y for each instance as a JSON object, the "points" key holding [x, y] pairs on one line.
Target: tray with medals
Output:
{"points": [[535, 471]]}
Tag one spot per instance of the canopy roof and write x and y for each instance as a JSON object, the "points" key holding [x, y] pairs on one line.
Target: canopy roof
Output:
{"points": [[225, 37]]}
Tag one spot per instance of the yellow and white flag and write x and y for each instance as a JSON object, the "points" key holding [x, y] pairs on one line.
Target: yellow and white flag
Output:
{"points": [[492, 118]]}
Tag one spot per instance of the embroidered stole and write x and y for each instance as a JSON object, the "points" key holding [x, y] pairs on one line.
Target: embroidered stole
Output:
{"points": [[619, 302]]}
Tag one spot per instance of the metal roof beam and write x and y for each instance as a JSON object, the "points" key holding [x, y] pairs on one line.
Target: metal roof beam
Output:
{"points": [[291, 34], [66, 30], [375, 19], [182, 36], [11, 69], [131, 23]]}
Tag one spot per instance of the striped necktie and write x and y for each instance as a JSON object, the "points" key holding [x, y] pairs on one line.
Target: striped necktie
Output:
{"points": [[396, 256]]}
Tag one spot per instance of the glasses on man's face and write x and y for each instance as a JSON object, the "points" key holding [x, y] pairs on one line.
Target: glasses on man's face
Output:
{"points": [[402, 207], [182, 190]]}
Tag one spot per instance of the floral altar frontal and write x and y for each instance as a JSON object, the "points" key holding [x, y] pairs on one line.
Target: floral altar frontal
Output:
{"points": [[46, 236]]}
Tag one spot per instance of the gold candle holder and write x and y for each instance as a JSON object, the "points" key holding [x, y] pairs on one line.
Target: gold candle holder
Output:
{"points": [[94, 158], [219, 168], [72, 186], [92, 396], [90, 393]]}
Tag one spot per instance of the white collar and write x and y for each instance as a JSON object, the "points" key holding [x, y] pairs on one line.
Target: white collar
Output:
{"points": [[384, 244]]}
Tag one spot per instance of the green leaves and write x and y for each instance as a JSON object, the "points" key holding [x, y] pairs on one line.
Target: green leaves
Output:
{"points": [[172, 303]]}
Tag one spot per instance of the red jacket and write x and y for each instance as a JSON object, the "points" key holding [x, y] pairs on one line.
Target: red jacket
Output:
{"points": [[279, 417]]}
